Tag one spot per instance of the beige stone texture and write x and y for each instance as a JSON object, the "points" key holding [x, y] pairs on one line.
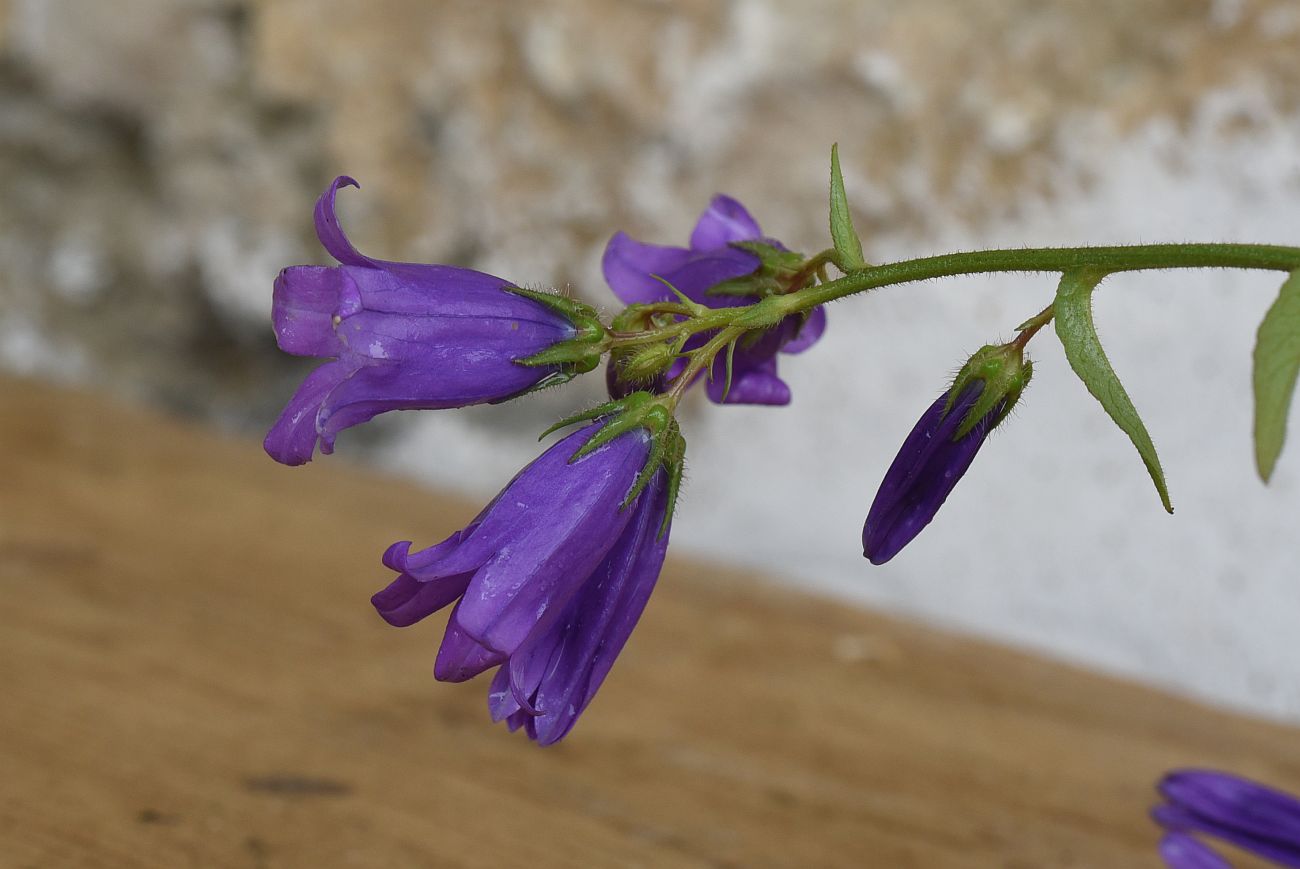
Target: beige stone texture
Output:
{"points": [[160, 156]]}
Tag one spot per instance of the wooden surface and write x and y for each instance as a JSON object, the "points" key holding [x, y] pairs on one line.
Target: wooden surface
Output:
{"points": [[191, 675]]}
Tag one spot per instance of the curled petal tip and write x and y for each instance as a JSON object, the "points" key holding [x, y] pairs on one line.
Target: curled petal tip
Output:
{"points": [[328, 230], [395, 556]]}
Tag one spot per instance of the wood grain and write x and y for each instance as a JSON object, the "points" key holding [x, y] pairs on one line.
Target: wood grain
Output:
{"points": [[192, 676]]}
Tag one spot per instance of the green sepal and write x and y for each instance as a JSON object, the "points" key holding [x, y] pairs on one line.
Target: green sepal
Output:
{"points": [[649, 411], [847, 244], [574, 311], [1004, 372], [675, 463], [730, 366], [638, 410], [582, 416], [1276, 364], [694, 307], [576, 355], [1078, 334], [776, 270]]}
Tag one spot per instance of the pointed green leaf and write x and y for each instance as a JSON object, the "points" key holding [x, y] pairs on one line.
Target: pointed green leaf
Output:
{"points": [[847, 243], [1074, 326], [1277, 362]]}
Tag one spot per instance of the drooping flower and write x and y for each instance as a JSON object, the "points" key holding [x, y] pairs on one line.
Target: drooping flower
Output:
{"points": [[405, 336], [941, 447], [714, 262], [1255, 818], [550, 579]]}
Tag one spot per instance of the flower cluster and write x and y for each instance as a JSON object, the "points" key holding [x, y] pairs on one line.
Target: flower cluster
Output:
{"points": [[547, 583]]}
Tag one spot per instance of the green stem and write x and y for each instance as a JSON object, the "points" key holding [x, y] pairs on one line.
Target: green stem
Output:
{"points": [[1051, 259], [701, 359], [770, 311]]}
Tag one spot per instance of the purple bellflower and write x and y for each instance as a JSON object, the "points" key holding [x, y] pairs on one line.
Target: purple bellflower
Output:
{"points": [[549, 580], [404, 336], [1255, 818], [714, 261], [941, 447]]}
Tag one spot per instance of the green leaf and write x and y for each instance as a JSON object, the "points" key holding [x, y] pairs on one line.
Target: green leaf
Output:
{"points": [[1083, 349], [1277, 362], [847, 244]]}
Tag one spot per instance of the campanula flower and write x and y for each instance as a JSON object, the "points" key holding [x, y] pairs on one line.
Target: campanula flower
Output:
{"points": [[548, 581], [634, 270], [403, 336], [1255, 818]]}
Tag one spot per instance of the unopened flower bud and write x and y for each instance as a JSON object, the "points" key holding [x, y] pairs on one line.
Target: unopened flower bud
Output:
{"points": [[941, 447]]}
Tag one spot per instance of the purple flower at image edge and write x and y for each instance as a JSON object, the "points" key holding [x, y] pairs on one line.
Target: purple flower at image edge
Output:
{"points": [[547, 582], [399, 336], [1258, 819], [631, 267], [924, 473]]}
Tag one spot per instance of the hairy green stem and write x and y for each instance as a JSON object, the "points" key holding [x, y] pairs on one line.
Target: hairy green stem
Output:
{"points": [[768, 312], [1052, 259]]}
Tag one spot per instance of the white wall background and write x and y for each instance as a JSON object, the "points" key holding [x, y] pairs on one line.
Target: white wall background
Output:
{"points": [[1056, 539]]}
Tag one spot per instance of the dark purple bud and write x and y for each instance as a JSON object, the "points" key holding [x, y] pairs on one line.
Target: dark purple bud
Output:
{"points": [[1258, 819], [402, 336], [924, 473]]}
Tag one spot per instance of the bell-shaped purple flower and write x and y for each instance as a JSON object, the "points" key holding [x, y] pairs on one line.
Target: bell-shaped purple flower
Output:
{"points": [[548, 581], [1255, 818], [923, 474], [402, 336], [633, 270]]}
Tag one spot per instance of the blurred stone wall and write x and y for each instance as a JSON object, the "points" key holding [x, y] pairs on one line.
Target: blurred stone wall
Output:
{"points": [[160, 156], [160, 159]]}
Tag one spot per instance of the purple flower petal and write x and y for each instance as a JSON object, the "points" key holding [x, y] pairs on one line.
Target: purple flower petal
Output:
{"points": [[629, 266], [328, 230], [704, 271], [412, 337], [1243, 804], [292, 440], [724, 221], [522, 555], [484, 347], [1180, 851], [522, 590], [602, 617], [406, 600], [753, 381], [460, 656], [809, 334], [1256, 818], [1179, 820], [305, 301]]}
